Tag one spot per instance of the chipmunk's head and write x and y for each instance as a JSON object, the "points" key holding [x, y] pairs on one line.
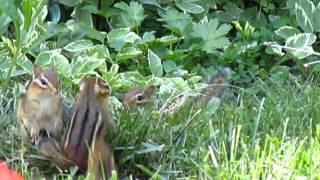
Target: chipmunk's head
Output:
{"points": [[44, 81], [99, 86], [138, 96]]}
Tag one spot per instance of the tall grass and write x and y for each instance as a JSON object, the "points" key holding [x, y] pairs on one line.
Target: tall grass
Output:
{"points": [[273, 135]]}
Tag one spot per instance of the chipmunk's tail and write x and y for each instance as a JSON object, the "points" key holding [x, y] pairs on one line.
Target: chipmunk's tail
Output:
{"points": [[217, 84], [51, 149]]}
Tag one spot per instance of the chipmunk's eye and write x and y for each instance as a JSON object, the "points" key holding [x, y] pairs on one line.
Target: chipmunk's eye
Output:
{"points": [[44, 82], [139, 97]]}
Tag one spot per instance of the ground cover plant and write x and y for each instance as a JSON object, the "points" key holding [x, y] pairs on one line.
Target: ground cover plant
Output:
{"points": [[266, 126]]}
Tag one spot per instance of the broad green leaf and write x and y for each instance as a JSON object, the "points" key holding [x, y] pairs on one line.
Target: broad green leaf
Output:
{"points": [[54, 11], [155, 64], [189, 6], [85, 65], [130, 79], [114, 69], [213, 105], [168, 40], [27, 13], [316, 19], [303, 20], [4, 23], [117, 38], [54, 57], [11, 10], [287, 31], [69, 2], [99, 51], [132, 15], [128, 53], [25, 64], [213, 37], [175, 20], [78, 45], [169, 66], [274, 49], [83, 16], [47, 31], [302, 43]]}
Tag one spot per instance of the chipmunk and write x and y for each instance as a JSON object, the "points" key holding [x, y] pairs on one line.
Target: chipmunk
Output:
{"points": [[216, 87], [138, 96], [85, 133], [40, 106]]}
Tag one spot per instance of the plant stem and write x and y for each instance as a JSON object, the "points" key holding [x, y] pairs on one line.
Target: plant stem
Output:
{"points": [[16, 53]]}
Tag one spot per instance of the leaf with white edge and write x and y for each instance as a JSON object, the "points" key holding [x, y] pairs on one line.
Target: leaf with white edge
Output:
{"points": [[168, 40], [213, 105], [213, 37], [303, 20], [25, 64], [287, 31], [78, 45], [99, 51], [117, 38], [54, 57], [85, 65], [302, 42], [155, 64], [128, 53], [114, 69], [189, 6], [274, 49]]}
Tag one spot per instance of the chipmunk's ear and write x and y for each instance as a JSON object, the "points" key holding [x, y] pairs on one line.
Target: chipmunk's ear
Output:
{"points": [[36, 70], [148, 92]]}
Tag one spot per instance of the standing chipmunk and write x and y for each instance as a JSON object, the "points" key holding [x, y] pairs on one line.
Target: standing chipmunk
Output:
{"points": [[85, 133], [40, 106], [216, 87]]}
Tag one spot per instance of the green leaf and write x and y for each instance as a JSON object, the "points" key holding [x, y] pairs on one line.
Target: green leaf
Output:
{"points": [[213, 37], [99, 51], [69, 2], [169, 66], [4, 23], [302, 41], [131, 16], [303, 20], [82, 15], [54, 57], [175, 20], [54, 11], [155, 64], [128, 53], [11, 10], [25, 64], [85, 65], [287, 31], [117, 38], [78, 45], [189, 6], [213, 105], [47, 31]]}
